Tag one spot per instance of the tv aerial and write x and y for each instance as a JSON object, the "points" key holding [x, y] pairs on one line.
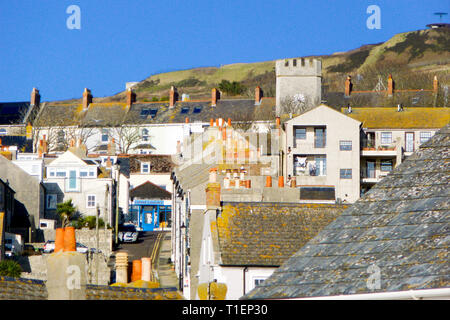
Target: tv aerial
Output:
{"points": [[440, 14]]}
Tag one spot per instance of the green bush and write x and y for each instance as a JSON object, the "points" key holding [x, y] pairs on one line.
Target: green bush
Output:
{"points": [[10, 268], [190, 82], [232, 88], [154, 99], [88, 222], [164, 98]]}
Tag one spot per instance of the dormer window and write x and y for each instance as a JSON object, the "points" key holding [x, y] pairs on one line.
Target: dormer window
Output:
{"points": [[145, 167]]}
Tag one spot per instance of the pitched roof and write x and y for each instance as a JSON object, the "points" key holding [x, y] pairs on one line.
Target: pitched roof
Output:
{"points": [[111, 114], [266, 234], [158, 163], [104, 114], [236, 109], [409, 118], [59, 115], [401, 225], [13, 112], [23, 144], [148, 190]]}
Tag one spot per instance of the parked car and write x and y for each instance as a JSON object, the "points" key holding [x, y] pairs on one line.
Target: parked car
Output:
{"points": [[49, 247], [30, 250], [9, 248], [128, 233]]}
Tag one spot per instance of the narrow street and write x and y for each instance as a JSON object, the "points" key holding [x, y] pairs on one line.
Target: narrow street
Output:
{"points": [[142, 248]]}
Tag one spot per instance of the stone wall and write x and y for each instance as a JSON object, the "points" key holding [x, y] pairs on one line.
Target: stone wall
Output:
{"points": [[28, 289], [87, 237], [22, 289], [35, 267]]}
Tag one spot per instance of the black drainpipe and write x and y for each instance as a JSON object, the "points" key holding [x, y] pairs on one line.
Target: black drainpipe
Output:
{"points": [[243, 272]]}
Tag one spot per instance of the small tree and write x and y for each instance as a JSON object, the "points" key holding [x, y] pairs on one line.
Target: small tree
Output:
{"points": [[66, 211], [10, 268]]}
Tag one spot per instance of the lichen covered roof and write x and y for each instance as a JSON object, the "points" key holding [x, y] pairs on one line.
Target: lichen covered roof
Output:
{"points": [[267, 234], [400, 229], [409, 118]]}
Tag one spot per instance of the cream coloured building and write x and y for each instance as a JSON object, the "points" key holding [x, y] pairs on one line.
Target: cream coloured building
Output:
{"points": [[322, 154]]}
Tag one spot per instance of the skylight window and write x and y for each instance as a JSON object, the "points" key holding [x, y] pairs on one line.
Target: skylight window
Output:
{"points": [[144, 113], [185, 110], [153, 112], [197, 109]]}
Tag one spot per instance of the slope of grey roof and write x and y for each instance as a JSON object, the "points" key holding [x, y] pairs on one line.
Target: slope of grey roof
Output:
{"points": [[202, 111], [149, 190], [268, 233], [402, 226], [13, 112]]}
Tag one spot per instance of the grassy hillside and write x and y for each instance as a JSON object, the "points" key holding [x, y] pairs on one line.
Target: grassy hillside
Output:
{"points": [[413, 58]]}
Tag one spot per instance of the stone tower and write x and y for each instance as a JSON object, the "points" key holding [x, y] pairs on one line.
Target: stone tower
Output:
{"points": [[298, 80]]}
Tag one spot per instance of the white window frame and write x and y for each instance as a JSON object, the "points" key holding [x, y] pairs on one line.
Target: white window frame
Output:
{"points": [[345, 145], [260, 279], [90, 201], [142, 167], [422, 139], [384, 139], [344, 173], [104, 132], [60, 171]]}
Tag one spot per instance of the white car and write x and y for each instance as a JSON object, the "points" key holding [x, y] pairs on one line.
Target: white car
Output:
{"points": [[128, 233], [49, 247]]}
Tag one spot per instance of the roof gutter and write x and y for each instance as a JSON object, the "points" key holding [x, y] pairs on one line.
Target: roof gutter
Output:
{"points": [[441, 293]]}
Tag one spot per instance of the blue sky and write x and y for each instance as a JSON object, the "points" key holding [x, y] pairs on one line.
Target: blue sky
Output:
{"points": [[129, 40]]}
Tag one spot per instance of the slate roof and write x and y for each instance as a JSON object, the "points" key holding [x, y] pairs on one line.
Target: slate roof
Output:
{"points": [[158, 163], [13, 112], [266, 234], [111, 114], [59, 115], [200, 111], [22, 143], [148, 190], [104, 114], [402, 225]]}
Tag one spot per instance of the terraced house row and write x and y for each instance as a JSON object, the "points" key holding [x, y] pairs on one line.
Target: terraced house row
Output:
{"points": [[242, 184]]}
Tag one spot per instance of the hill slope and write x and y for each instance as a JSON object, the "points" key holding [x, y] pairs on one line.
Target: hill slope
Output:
{"points": [[405, 56]]}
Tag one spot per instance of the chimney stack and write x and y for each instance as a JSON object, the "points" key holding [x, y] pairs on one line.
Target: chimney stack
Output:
{"points": [[87, 98], [35, 97], [391, 85], [112, 147], [281, 182], [173, 97], [435, 85], [268, 181], [45, 145], [212, 195], [348, 86], [258, 95], [131, 97], [215, 95]]}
